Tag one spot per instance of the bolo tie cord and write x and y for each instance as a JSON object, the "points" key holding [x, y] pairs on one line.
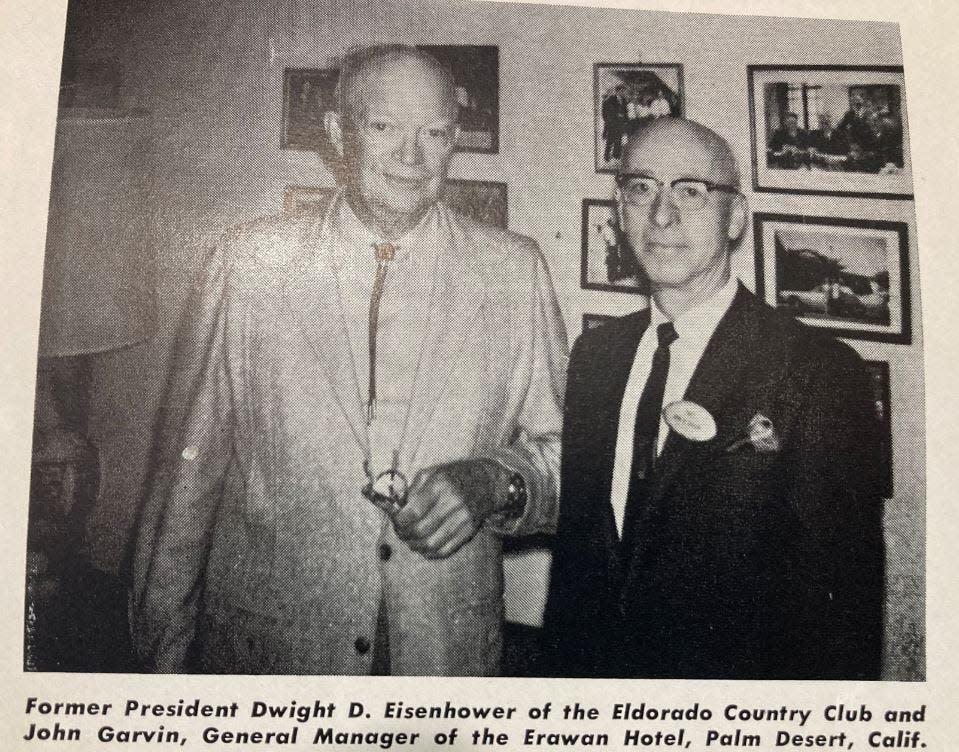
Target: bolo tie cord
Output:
{"points": [[384, 254]]}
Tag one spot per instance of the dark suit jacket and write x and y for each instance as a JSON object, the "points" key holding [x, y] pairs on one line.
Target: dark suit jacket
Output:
{"points": [[614, 116], [746, 564]]}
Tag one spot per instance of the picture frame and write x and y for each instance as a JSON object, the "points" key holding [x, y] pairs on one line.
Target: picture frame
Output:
{"points": [[305, 199], [308, 94], [482, 200], [595, 320], [878, 372], [835, 130], [647, 91], [848, 276], [475, 71], [606, 263]]}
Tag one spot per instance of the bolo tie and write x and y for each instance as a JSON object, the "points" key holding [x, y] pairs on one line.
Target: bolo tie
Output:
{"points": [[384, 254]]}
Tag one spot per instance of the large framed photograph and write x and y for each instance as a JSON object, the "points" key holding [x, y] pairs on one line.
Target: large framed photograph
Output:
{"points": [[845, 275], [878, 372], [833, 130], [626, 98], [308, 95], [607, 263], [476, 73], [484, 201]]}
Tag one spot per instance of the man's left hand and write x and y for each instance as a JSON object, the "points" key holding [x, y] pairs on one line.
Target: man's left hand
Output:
{"points": [[446, 505]]}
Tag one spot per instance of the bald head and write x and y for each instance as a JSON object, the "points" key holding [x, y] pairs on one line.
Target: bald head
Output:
{"points": [[365, 71], [681, 209], [689, 142]]}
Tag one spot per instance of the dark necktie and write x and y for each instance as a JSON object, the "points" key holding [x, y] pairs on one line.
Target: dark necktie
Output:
{"points": [[385, 253], [646, 434]]}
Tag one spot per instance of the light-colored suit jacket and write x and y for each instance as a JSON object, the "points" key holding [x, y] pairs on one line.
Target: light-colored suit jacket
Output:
{"points": [[255, 545]]}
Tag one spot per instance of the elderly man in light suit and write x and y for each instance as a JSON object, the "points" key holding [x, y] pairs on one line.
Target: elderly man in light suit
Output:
{"points": [[363, 403]]}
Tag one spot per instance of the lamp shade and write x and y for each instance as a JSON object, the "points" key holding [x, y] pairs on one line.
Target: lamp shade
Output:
{"points": [[99, 267]]}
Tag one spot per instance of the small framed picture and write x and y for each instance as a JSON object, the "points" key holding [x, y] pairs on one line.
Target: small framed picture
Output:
{"points": [[595, 320], [307, 96], [303, 199], [484, 201], [845, 275], [626, 98], [475, 71], [878, 371], [833, 130], [607, 263]]}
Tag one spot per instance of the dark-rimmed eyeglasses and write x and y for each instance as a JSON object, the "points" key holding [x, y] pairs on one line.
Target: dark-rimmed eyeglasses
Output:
{"points": [[687, 194]]}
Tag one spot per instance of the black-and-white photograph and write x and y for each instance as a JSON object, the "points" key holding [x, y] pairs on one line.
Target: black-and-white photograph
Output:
{"points": [[346, 417], [848, 276], [627, 97], [475, 71], [837, 130], [606, 262], [307, 96]]}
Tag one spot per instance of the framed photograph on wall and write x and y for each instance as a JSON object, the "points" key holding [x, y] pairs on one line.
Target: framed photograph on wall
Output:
{"points": [[303, 199], [309, 93], [307, 96], [606, 262], [595, 320], [878, 371], [476, 74], [848, 276], [484, 201], [626, 98], [836, 130]]}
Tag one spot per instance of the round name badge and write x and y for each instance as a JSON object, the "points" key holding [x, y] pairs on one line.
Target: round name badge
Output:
{"points": [[689, 420]]}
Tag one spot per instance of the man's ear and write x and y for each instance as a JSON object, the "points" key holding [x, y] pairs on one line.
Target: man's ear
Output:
{"points": [[333, 125], [738, 216]]}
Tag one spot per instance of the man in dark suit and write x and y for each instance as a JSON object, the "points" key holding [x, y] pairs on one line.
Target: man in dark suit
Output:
{"points": [[615, 117], [719, 512]]}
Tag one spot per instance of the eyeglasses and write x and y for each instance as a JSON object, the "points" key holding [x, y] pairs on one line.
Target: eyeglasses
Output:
{"points": [[687, 194]]}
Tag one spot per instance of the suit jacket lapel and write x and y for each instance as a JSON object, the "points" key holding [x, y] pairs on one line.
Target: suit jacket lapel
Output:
{"points": [[312, 293], [458, 292]]}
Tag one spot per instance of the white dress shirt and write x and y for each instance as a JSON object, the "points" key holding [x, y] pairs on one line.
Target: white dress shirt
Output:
{"points": [[404, 307], [694, 328]]}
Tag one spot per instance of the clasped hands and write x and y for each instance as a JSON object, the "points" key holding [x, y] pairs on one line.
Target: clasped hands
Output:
{"points": [[447, 504]]}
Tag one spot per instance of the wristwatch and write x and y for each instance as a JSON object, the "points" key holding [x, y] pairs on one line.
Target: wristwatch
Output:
{"points": [[516, 496]]}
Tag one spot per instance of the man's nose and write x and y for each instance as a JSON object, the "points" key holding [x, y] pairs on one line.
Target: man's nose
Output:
{"points": [[410, 150], [663, 211]]}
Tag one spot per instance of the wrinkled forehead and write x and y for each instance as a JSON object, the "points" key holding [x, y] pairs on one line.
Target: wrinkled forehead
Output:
{"points": [[674, 152], [401, 84]]}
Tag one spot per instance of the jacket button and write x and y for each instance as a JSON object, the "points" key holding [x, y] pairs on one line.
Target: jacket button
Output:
{"points": [[386, 551], [362, 645]]}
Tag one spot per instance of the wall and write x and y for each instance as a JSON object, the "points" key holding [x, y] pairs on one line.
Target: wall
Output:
{"points": [[212, 75]]}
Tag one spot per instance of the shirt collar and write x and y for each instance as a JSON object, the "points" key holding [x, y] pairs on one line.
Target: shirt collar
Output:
{"points": [[700, 320], [355, 236]]}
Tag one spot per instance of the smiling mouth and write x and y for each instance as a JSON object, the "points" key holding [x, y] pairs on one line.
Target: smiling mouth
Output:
{"points": [[665, 247], [407, 181]]}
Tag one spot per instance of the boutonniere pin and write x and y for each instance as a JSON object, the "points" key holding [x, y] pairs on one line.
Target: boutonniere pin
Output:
{"points": [[760, 434]]}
